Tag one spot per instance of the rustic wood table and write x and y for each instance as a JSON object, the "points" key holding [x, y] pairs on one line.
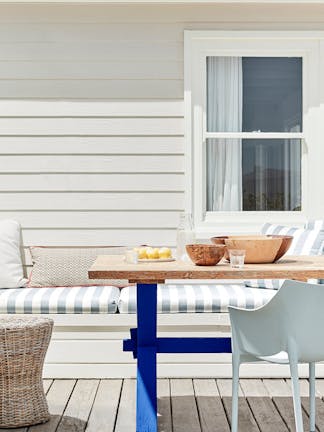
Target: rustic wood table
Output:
{"points": [[144, 342]]}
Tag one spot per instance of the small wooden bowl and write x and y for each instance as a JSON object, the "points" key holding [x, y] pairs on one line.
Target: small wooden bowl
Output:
{"points": [[205, 254], [285, 245]]}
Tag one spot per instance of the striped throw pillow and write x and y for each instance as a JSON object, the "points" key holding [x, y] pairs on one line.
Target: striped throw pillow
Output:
{"points": [[306, 242]]}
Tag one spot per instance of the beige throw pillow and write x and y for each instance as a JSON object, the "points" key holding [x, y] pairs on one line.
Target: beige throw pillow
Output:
{"points": [[68, 266]]}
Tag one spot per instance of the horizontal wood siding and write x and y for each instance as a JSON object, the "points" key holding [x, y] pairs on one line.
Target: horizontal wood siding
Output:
{"points": [[91, 115]]}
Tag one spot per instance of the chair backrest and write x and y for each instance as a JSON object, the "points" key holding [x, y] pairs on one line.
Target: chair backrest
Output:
{"points": [[293, 321]]}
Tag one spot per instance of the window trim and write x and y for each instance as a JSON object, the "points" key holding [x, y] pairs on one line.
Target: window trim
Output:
{"points": [[199, 45]]}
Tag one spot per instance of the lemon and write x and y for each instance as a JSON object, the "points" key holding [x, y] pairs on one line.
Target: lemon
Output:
{"points": [[150, 253], [142, 253], [165, 253], [156, 253]]}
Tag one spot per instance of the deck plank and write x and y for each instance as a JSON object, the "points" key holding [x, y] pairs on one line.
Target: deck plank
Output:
{"points": [[79, 406], [164, 406], [57, 398], [281, 395], [304, 391], [225, 387], [277, 387], [126, 416], [105, 406], [246, 420], [184, 405], [211, 411], [184, 409], [47, 384], [320, 388], [264, 410]]}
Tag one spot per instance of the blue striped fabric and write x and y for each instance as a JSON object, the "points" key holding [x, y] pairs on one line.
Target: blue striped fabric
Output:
{"points": [[317, 224], [307, 241], [198, 298], [59, 300]]}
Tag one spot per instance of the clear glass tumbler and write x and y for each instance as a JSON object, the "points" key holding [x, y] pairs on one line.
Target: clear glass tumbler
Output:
{"points": [[237, 257]]}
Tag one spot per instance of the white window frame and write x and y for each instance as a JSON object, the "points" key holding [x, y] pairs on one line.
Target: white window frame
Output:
{"points": [[201, 44]]}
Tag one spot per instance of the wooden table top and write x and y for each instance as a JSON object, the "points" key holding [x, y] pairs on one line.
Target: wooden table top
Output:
{"points": [[292, 267]]}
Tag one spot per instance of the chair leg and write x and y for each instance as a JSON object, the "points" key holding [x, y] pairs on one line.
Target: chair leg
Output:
{"points": [[312, 397], [235, 390], [296, 396]]}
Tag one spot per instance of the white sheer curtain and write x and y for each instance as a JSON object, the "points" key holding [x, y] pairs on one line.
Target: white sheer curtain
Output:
{"points": [[292, 170], [224, 114]]}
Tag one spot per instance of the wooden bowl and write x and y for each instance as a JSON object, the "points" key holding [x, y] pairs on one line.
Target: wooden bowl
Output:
{"points": [[258, 250], [205, 254], [285, 245], [221, 240]]}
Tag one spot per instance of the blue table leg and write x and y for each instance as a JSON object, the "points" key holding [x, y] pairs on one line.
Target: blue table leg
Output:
{"points": [[146, 412]]}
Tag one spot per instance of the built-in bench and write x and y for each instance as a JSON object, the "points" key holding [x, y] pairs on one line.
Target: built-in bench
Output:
{"points": [[91, 322]]}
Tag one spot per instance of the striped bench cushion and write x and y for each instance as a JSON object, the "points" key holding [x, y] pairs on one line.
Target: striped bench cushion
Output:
{"points": [[198, 298], [307, 241], [316, 224], [60, 300]]}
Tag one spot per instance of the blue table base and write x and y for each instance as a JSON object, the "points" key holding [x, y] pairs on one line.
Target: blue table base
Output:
{"points": [[144, 344]]}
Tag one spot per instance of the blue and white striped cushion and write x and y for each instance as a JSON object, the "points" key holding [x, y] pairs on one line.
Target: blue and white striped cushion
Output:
{"points": [[306, 242], [317, 224], [60, 300], [198, 298]]}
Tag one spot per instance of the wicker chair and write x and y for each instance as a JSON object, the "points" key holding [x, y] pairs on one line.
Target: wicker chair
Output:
{"points": [[23, 345]]}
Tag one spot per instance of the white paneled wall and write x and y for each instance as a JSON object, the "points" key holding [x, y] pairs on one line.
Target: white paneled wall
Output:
{"points": [[91, 115]]}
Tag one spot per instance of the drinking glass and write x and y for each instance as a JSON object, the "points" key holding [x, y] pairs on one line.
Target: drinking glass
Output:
{"points": [[237, 258]]}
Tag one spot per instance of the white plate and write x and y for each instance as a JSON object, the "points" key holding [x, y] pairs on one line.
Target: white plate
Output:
{"points": [[156, 260]]}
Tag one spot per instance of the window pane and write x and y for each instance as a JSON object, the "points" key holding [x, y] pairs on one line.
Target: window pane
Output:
{"points": [[254, 94], [253, 175], [271, 175], [272, 94]]}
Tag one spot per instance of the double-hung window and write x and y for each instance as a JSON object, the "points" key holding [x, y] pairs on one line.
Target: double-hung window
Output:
{"points": [[250, 121]]}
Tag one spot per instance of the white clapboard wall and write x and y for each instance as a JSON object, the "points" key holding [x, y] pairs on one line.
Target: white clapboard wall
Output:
{"points": [[92, 149], [91, 115]]}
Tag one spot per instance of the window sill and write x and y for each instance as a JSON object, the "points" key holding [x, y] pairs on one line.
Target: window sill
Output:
{"points": [[224, 223]]}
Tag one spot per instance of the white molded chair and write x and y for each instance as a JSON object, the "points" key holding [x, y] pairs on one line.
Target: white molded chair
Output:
{"points": [[288, 330]]}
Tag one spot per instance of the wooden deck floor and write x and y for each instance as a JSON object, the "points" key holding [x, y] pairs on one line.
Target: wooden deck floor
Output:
{"points": [[185, 405]]}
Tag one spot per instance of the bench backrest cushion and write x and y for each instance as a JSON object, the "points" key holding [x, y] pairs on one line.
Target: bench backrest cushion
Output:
{"points": [[11, 269], [306, 242]]}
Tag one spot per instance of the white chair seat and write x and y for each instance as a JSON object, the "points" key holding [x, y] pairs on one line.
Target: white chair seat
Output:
{"points": [[281, 358]]}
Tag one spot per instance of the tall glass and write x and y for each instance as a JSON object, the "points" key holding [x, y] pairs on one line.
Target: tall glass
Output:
{"points": [[185, 235]]}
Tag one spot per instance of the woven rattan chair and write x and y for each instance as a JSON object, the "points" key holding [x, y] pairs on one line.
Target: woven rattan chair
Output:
{"points": [[23, 345]]}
